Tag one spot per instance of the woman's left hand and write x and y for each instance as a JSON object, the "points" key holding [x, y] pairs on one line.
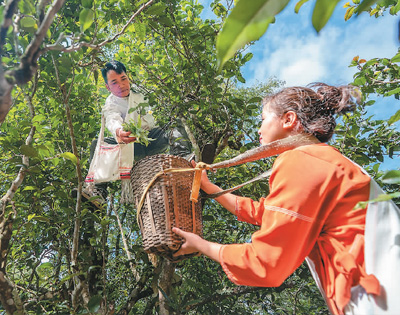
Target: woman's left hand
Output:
{"points": [[189, 244], [195, 244]]}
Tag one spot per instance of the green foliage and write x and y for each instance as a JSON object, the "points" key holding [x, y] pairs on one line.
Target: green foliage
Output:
{"points": [[170, 55], [322, 12], [392, 177], [137, 131], [247, 22]]}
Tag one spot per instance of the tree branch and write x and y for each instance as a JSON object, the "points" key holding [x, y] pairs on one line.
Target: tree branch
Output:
{"points": [[9, 10], [128, 254], [79, 45], [9, 297], [8, 293], [28, 65]]}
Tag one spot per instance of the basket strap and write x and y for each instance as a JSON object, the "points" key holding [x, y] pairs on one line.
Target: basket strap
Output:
{"points": [[194, 216], [220, 193], [267, 150]]}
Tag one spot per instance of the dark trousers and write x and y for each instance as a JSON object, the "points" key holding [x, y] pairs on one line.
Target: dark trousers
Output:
{"points": [[175, 142]]}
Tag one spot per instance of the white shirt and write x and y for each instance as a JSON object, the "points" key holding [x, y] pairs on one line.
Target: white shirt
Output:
{"points": [[116, 109]]}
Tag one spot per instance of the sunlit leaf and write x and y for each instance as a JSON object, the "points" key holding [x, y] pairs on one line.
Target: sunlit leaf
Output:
{"points": [[391, 177], [299, 5], [87, 3], [69, 156], [365, 5], [30, 188], [360, 81], [46, 265], [27, 22], [140, 30], [396, 58], [156, 9], [394, 118], [394, 91], [86, 18], [349, 13], [26, 7], [380, 198], [322, 12], [247, 22]]}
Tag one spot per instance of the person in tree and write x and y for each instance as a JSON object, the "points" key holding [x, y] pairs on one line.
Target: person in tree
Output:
{"points": [[310, 212], [116, 112]]}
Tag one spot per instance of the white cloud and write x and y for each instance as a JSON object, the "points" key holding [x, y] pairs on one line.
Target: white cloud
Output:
{"points": [[292, 51]]}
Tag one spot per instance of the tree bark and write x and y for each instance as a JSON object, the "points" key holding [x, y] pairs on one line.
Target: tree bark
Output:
{"points": [[164, 286]]}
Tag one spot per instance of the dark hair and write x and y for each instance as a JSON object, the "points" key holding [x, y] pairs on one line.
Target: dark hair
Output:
{"points": [[117, 66], [315, 106]]}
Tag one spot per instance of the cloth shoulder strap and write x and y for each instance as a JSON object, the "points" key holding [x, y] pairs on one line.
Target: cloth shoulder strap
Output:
{"points": [[223, 192]]}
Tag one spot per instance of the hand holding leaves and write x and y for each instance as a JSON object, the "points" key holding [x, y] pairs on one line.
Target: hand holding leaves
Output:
{"points": [[137, 131]]}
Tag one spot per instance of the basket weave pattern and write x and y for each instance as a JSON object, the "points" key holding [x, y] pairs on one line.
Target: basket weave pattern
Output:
{"points": [[167, 204]]}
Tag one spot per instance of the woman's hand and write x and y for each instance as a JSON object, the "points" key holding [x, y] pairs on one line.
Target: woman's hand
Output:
{"points": [[205, 183], [189, 245], [195, 244], [228, 200], [123, 136]]}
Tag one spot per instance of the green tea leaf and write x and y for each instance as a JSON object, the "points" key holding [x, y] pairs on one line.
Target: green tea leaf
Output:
{"points": [[391, 177], [365, 5], [396, 58], [69, 156], [27, 22], [156, 9], [322, 12], [247, 22], [94, 303], [137, 131], [394, 118], [28, 151], [87, 3], [86, 18], [299, 5]]}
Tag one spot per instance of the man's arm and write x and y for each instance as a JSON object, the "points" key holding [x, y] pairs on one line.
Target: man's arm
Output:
{"points": [[113, 112]]}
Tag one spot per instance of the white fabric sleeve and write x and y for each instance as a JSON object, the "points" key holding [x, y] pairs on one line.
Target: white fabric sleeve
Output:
{"points": [[113, 116]]}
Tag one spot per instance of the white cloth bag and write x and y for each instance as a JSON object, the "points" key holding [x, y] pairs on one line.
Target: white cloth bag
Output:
{"points": [[110, 161]]}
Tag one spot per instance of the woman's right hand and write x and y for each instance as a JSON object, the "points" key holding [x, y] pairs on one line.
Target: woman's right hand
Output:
{"points": [[228, 200], [205, 183]]}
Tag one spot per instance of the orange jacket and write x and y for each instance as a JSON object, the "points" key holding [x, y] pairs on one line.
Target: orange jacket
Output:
{"points": [[309, 212]]}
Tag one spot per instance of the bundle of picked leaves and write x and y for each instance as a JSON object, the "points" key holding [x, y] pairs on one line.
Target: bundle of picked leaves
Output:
{"points": [[137, 131]]}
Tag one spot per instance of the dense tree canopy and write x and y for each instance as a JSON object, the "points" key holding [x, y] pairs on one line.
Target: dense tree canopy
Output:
{"points": [[57, 255]]}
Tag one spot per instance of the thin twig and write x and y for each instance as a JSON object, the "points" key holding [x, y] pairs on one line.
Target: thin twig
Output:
{"points": [[79, 45], [128, 254]]}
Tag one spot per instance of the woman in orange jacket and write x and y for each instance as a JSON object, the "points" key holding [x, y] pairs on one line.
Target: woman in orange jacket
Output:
{"points": [[309, 212]]}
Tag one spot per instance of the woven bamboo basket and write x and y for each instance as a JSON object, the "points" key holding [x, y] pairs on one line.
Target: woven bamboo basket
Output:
{"points": [[166, 203]]}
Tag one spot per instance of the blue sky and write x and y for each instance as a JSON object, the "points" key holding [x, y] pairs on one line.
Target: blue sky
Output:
{"points": [[292, 51]]}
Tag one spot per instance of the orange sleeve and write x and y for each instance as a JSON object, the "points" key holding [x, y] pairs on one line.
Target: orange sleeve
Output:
{"points": [[302, 193], [248, 210]]}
